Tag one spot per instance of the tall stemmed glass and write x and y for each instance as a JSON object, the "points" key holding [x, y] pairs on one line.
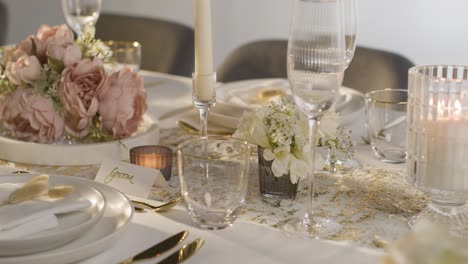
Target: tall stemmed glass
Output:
{"points": [[316, 60], [81, 14], [333, 164]]}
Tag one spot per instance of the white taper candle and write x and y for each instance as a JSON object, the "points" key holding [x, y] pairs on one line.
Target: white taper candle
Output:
{"points": [[203, 50]]}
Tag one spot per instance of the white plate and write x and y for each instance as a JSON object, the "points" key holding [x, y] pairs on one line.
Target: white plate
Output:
{"points": [[248, 94], [117, 215], [77, 154], [70, 225]]}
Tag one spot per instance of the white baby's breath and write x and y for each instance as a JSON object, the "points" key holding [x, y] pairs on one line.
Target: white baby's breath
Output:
{"points": [[276, 128]]}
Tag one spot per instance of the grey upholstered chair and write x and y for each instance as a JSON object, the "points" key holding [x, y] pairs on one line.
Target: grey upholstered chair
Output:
{"points": [[166, 46], [3, 22], [370, 69]]}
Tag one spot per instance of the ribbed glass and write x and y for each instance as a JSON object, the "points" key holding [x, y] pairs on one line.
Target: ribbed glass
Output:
{"points": [[316, 61], [438, 140]]}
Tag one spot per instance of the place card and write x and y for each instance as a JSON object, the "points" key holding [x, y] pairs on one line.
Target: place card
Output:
{"points": [[130, 179]]}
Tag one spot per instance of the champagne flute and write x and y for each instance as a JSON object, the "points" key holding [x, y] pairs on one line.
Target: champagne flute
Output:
{"points": [[350, 28], [333, 164], [316, 60], [81, 15]]}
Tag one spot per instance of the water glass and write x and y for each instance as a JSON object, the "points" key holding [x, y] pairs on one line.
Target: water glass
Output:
{"points": [[438, 142], [81, 14], [125, 54], [386, 123], [213, 173]]}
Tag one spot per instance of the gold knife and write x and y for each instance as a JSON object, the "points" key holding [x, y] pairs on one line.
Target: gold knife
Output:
{"points": [[159, 248], [184, 252]]}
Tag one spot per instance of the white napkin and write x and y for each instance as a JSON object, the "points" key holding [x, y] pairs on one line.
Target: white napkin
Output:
{"points": [[222, 119], [31, 217]]}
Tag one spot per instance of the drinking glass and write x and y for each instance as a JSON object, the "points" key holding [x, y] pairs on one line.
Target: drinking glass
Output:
{"points": [[333, 163], [213, 173], [438, 142], [316, 60], [386, 123], [81, 14], [125, 54]]}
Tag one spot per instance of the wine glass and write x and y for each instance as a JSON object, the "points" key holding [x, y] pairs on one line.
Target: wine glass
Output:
{"points": [[81, 14], [316, 60], [333, 164]]}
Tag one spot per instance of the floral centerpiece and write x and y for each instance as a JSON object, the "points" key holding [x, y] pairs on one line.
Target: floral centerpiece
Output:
{"points": [[283, 137], [428, 242], [54, 87]]}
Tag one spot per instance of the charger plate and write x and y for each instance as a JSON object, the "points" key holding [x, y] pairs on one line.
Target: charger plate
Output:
{"points": [[117, 215], [257, 92], [70, 225]]}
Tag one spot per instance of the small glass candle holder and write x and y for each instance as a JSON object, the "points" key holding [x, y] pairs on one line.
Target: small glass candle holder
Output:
{"points": [[438, 142], [155, 157]]}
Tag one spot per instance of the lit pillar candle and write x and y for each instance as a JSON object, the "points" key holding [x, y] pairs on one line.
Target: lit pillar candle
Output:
{"points": [[203, 50], [447, 150]]}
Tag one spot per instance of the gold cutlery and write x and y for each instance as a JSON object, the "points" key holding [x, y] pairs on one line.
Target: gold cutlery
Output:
{"points": [[140, 206], [184, 252], [159, 248], [193, 130], [175, 112], [19, 172]]}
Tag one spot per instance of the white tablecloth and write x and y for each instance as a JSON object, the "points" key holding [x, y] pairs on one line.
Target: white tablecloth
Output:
{"points": [[251, 239]]}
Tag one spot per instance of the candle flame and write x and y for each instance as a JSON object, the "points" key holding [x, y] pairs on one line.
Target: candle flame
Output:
{"points": [[457, 112]]}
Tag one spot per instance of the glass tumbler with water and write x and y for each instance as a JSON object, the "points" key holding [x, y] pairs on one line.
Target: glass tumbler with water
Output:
{"points": [[213, 173], [386, 123]]}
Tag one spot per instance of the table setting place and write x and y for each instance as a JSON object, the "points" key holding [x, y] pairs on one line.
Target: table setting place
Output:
{"points": [[104, 162]]}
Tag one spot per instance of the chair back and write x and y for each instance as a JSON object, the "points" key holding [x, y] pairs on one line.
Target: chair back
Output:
{"points": [[370, 69], [166, 46], [3, 22]]}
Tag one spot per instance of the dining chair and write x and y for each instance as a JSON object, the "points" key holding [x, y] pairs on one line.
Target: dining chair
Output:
{"points": [[371, 69], [167, 47], [3, 22]]}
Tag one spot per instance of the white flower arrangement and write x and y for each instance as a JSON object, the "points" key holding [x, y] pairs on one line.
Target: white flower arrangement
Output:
{"points": [[428, 243], [283, 136], [278, 131]]}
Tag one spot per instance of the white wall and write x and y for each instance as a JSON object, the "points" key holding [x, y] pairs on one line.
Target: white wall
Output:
{"points": [[426, 31]]}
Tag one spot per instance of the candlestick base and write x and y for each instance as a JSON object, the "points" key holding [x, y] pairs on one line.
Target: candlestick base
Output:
{"points": [[453, 215], [204, 97]]}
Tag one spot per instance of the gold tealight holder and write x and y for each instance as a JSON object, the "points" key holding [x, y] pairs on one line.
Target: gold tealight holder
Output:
{"points": [[155, 157]]}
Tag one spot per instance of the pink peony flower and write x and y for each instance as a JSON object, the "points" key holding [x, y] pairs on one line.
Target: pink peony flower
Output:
{"points": [[45, 32], [77, 91], [31, 117], [12, 54], [61, 46], [41, 39], [122, 103], [25, 70]]}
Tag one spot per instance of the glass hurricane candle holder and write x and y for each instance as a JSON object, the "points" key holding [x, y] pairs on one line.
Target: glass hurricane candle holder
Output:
{"points": [[438, 142]]}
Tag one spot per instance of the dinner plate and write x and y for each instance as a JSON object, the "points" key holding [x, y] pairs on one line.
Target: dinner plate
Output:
{"points": [[258, 92], [116, 217], [70, 225]]}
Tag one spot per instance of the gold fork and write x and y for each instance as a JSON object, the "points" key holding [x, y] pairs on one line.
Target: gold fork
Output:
{"points": [[141, 206]]}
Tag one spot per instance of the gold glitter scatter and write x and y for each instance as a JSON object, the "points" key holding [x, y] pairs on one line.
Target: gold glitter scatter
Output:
{"points": [[366, 202]]}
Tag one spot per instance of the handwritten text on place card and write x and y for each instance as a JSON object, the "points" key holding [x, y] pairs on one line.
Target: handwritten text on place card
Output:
{"points": [[129, 178]]}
